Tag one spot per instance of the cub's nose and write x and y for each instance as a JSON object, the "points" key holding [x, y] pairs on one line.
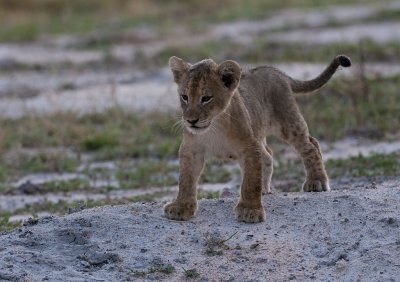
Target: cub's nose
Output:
{"points": [[192, 121]]}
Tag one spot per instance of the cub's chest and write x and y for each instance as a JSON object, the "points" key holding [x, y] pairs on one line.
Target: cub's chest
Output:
{"points": [[220, 146]]}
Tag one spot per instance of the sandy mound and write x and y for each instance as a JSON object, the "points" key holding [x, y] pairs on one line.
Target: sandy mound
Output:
{"points": [[349, 234]]}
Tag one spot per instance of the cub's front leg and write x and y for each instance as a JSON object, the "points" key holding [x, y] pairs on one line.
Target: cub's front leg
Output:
{"points": [[191, 163], [250, 206]]}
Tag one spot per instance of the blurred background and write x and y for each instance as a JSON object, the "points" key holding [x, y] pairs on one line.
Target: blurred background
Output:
{"points": [[89, 112]]}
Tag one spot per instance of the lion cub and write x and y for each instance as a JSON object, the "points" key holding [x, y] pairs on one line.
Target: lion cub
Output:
{"points": [[228, 113]]}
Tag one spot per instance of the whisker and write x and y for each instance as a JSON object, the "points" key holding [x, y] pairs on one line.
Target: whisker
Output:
{"points": [[178, 125]]}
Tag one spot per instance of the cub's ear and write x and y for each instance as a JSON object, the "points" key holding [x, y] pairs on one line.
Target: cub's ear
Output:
{"points": [[178, 67], [230, 73]]}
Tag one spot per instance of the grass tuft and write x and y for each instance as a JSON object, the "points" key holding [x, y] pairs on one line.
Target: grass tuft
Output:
{"points": [[147, 173], [215, 245], [163, 268], [5, 224], [191, 273]]}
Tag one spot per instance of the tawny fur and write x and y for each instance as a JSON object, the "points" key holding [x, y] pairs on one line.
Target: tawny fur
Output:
{"points": [[228, 114]]}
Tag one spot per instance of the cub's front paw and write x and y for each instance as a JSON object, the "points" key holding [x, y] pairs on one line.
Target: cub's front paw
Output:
{"points": [[180, 211], [316, 186], [249, 214]]}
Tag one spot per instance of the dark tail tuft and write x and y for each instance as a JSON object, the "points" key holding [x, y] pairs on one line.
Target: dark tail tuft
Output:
{"points": [[344, 61], [308, 86]]}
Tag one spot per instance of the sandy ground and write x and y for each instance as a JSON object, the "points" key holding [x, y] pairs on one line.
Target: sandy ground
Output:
{"points": [[349, 234]]}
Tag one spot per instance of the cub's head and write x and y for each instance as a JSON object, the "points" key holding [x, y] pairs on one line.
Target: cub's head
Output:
{"points": [[205, 90]]}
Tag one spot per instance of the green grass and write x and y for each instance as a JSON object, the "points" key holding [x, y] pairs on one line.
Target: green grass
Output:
{"points": [[214, 172], [62, 207], [359, 166], [67, 86], [27, 20], [139, 273], [202, 194], [299, 51], [191, 273], [147, 173], [23, 20], [100, 173], [288, 169], [114, 134], [346, 106], [374, 165], [5, 224], [384, 15], [159, 173], [19, 164], [360, 106], [368, 107], [164, 268], [215, 245], [216, 49], [379, 16], [167, 269], [65, 186], [57, 186], [263, 50], [4, 173], [100, 140]]}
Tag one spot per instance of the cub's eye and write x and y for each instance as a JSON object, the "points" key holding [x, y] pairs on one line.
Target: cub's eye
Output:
{"points": [[184, 98], [206, 99]]}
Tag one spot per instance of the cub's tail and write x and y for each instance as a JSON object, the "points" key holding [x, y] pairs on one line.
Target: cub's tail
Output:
{"points": [[299, 86]]}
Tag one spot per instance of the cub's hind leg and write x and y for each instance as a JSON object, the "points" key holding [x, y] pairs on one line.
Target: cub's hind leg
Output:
{"points": [[317, 179], [297, 135], [267, 169]]}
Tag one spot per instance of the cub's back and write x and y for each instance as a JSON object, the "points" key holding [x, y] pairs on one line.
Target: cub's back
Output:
{"points": [[265, 91]]}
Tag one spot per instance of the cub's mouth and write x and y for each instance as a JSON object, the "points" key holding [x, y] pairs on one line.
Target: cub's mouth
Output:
{"points": [[194, 129]]}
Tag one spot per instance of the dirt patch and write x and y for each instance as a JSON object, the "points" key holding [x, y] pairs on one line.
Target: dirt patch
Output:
{"points": [[350, 147], [378, 32], [19, 92], [38, 54], [349, 234]]}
